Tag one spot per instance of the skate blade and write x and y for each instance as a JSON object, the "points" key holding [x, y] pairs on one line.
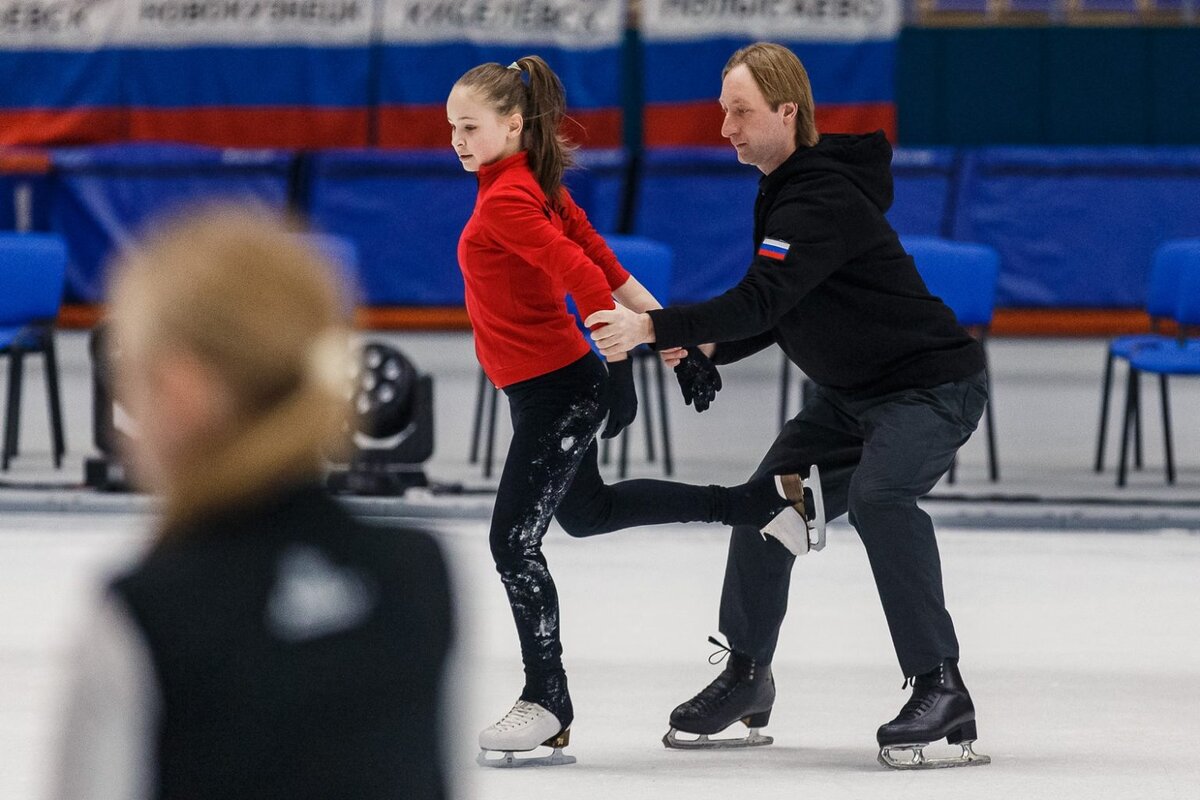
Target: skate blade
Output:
{"points": [[796, 533], [917, 760], [753, 738], [817, 524], [508, 759]]}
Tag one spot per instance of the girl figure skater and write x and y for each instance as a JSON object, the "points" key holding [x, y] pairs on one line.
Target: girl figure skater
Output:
{"points": [[525, 247], [268, 645]]}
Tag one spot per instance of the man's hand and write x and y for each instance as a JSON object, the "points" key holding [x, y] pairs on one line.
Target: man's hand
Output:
{"points": [[621, 331], [698, 379]]}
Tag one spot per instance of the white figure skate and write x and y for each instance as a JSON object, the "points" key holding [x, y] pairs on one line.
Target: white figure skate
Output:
{"points": [[523, 729], [801, 526]]}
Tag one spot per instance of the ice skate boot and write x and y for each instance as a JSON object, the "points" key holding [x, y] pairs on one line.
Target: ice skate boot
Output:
{"points": [[743, 692], [801, 526], [940, 707], [523, 729]]}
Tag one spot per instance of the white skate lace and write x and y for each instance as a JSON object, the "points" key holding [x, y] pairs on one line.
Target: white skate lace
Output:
{"points": [[520, 715]]}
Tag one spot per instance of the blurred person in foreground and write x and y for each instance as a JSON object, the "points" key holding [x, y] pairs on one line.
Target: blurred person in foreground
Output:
{"points": [[267, 645]]}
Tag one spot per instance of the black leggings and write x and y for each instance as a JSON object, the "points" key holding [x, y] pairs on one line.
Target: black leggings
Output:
{"points": [[551, 470]]}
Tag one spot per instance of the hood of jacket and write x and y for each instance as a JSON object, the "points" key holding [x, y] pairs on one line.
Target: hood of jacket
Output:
{"points": [[865, 160]]}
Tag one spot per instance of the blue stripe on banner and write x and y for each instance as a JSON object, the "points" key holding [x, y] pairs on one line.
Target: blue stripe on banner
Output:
{"points": [[232, 76], [858, 72], [59, 78], [424, 74]]}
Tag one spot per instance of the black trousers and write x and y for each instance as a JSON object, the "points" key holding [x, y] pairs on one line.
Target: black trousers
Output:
{"points": [[551, 470], [876, 457]]}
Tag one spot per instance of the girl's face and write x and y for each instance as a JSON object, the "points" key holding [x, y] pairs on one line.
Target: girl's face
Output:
{"points": [[478, 134]]}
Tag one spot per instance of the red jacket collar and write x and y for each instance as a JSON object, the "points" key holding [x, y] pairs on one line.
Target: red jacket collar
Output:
{"points": [[489, 172]]}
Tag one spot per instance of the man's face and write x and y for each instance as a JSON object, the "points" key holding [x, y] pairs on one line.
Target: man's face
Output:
{"points": [[761, 137]]}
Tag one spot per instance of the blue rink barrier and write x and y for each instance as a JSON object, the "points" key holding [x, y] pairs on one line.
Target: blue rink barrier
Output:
{"points": [[700, 202], [405, 210], [1076, 227], [925, 185], [101, 196]]}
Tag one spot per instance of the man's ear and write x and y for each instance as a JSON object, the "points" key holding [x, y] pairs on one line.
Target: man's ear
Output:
{"points": [[790, 110]]}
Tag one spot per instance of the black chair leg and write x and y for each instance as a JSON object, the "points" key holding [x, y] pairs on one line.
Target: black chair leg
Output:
{"points": [[664, 419], [993, 461], [491, 434], [785, 390], [477, 424], [1126, 424], [647, 415], [54, 401], [605, 453], [1105, 392], [1164, 392], [1137, 423], [12, 416]]}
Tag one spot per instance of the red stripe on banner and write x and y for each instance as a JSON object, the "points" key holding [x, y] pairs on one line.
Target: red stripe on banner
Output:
{"points": [[426, 127], [67, 126], [699, 123], [288, 128], [765, 253]]}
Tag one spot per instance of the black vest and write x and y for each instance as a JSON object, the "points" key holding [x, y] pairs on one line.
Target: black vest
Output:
{"points": [[299, 654]]}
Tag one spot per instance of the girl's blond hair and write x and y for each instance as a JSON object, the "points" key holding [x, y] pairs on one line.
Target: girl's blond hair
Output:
{"points": [[236, 288]]}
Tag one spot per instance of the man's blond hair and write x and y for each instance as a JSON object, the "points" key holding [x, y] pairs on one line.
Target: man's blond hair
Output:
{"points": [[782, 79]]}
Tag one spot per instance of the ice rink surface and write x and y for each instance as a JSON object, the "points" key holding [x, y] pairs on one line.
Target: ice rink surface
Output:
{"points": [[1081, 648], [1082, 652]]}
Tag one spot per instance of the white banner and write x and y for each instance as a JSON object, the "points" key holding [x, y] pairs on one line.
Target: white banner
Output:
{"points": [[317, 22], [580, 24], [772, 20], [59, 24], [92, 24]]}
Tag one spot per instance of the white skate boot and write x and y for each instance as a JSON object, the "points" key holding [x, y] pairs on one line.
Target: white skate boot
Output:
{"points": [[801, 526], [523, 729]]}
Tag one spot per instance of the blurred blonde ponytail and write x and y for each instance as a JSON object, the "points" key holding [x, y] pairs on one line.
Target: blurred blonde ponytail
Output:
{"points": [[238, 290]]}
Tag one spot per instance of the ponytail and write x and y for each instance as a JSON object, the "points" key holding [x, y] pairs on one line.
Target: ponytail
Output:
{"points": [[550, 154], [542, 103]]}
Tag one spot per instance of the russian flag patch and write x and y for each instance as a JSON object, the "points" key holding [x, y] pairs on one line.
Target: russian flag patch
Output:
{"points": [[773, 249]]}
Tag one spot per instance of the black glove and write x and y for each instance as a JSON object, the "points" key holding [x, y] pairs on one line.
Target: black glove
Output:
{"points": [[622, 397], [698, 379]]}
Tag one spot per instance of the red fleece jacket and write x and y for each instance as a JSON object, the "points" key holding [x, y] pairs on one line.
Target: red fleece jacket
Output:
{"points": [[519, 259]]}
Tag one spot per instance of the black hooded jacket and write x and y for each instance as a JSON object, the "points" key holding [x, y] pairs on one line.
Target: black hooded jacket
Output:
{"points": [[834, 288]]}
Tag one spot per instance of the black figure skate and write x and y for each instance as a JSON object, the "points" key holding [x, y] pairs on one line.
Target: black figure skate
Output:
{"points": [[744, 691], [940, 707]]}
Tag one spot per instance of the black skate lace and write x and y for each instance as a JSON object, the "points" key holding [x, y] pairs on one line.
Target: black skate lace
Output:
{"points": [[916, 706], [719, 655]]}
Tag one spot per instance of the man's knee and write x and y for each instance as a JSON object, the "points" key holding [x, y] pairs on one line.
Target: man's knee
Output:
{"points": [[869, 496]]}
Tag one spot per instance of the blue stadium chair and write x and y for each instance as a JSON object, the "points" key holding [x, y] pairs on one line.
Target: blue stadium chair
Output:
{"points": [[1174, 357], [650, 262], [32, 274], [964, 276], [1161, 301]]}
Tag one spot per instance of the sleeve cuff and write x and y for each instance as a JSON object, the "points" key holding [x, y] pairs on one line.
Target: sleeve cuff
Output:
{"points": [[666, 328]]}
